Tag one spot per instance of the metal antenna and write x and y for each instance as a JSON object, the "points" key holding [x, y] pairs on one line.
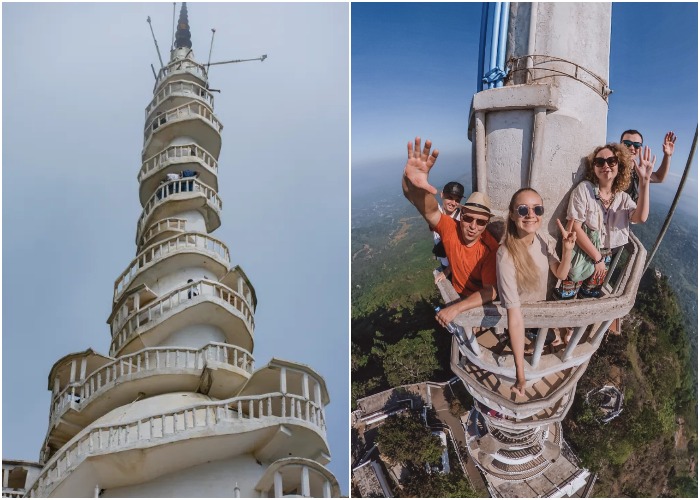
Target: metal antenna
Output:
{"points": [[154, 72], [172, 43], [261, 59], [211, 46], [155, 41]]}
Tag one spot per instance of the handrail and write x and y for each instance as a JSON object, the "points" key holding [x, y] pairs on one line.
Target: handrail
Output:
{"points": [[163, 158], [179, 86], [145, 360], [122, 331], [190, 109], [178, 186], [164, 225], [187, 65], [159, 251], [192, 420]]}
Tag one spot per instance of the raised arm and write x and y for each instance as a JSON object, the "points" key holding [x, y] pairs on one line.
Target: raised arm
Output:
{"points": [[669, 146], [415, 181], [643, 164]]}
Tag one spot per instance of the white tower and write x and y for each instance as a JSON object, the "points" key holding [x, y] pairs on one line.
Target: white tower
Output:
{"points": [[533, 129], [177, 408]]}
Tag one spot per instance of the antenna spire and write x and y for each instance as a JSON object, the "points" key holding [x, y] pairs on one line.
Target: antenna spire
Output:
{"points": [[183, 35]]}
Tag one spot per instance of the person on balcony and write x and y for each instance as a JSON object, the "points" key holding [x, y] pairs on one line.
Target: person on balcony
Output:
{"points": [[633, 141], [451, 196], [602, 211], [189, 185], [171, 185], [470, 250], [523, 263]]}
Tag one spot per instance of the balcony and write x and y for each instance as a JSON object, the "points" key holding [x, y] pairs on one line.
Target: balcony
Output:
{"points": [[176, 93], [150, 371], [175, 253], [193, 119], [298, 477], [203, 300], [174, 159], [176, 197], [17, 476], [185, 69], [163, 229], [479, 359], [270, 426]]}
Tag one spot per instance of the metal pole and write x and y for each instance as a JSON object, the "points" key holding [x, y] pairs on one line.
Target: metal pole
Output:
{"points": [[172, 42], [155, 41], [211, 46], [675, 201]]}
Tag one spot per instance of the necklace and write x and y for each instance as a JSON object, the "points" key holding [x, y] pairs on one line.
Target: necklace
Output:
{"points": [[606, 202]]}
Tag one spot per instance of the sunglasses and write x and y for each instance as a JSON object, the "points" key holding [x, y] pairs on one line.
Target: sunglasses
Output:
{"points": [[611, 160], [469, 219], [629, 143], [524, 210]]}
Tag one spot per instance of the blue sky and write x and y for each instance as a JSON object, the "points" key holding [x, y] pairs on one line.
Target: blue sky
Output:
{"points": [[414, 73], [76, 80]]}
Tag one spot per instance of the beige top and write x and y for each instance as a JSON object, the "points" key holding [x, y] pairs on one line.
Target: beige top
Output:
{"points": [[543, 252], [614, 222]]}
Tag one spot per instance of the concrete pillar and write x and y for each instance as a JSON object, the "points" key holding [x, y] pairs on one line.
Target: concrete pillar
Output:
{"points": [[305, 488], [240, 286], [326, 489], [283, 380], [317, 393], [72, 372], [56, 386], [83, 368], [5, 478], [279, 492], [305, 385]]}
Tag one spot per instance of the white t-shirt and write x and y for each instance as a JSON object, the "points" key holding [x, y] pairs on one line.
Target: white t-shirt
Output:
{"points": [[543, 252], [613, 222]]}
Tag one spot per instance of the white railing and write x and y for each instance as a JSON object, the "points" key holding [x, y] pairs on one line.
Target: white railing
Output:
{"points": [[123, 330], [163, 226], [80, 394], [196, 421], [192, 109], [185, 151], [180, 87], [161, 250], [187, 65], [170, 188]]}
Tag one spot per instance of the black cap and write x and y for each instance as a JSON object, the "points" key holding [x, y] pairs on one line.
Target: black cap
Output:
{"points": [[454, 188]]}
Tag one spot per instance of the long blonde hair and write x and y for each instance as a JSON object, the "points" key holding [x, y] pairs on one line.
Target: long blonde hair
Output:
{"points": [[526, 273]]}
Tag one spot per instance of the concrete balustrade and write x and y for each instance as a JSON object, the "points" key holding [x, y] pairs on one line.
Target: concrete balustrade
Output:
{"points": [[162, 227], [125, 329], [590, 319], [186, 66], [180, 88], [179, 189], [267, 410], [190, 110], [158, 251], [177, 154], [146, 361]]}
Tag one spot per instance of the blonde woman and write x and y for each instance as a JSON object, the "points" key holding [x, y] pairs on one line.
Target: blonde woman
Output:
{"points": [[523, 263]]}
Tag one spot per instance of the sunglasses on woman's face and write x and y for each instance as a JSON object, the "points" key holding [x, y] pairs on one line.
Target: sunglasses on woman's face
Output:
{"points": [[611, 160], [524, 210]]}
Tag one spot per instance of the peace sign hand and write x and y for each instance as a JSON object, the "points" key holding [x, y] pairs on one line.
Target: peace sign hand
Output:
{"points": [[568, 235], [669, 143], [644, 164], [419, 164]]}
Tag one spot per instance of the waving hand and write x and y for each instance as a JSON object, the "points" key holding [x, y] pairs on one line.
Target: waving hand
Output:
{"points": [[419, 164]]}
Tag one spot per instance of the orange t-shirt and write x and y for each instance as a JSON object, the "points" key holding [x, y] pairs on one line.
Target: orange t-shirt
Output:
{"points": [[472, 267]]}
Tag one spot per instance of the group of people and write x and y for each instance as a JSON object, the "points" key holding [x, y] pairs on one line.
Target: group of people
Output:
{"points": [[613, 194]]}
